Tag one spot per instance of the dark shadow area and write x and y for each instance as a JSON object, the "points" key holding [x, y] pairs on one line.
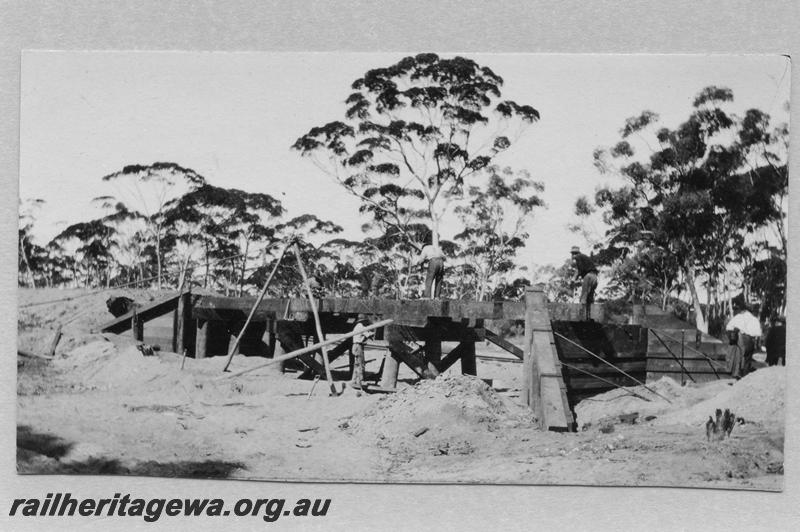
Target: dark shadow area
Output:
{"points": [[39, 454], [39, 443]]}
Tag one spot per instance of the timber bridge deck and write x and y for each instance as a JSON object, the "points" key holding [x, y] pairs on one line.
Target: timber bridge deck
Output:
{"points": [[557, 370]]}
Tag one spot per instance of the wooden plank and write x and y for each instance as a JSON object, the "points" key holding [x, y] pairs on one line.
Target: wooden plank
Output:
{"points": [[698, 377], [145, 313], [413, 359], [451, 358], [468, 364], [545, 383], [137, 326], [433, 350], [182, 312], [502, 343], [201, 339], [655, 364], [406, 311]]}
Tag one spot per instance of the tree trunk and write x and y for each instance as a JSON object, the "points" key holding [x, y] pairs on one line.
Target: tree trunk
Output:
{"points": [[700, 321], [158, 259], [244, 266], [208, 267]]}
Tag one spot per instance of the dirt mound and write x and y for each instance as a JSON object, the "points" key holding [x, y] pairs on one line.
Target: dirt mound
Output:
{"points": [[669, 395], [760, 397], [446, 406], [77, 309]]}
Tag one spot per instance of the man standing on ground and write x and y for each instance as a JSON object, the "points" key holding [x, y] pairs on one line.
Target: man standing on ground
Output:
{"points": [[747, 329], [587, 274], [358, 351], [435, 257], [775, 342]]}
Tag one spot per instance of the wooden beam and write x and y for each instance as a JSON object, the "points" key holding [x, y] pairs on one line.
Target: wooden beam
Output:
{"points": [[504, 344], [233, 348], [54, 343], [468, 363], [183, 312], [451, 358], [391, 367], [137, 326], [201, 339], [413, 359], [145, 312], [544, 381], [433, 350], [317, 324], [530, 380], [307, 349], [414, 312]]}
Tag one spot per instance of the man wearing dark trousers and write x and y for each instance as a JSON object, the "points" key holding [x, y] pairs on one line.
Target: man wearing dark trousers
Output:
{"points": [[435, 257], [587, 274]]}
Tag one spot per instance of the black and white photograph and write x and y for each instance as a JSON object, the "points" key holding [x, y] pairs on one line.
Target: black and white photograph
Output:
{"points": [[421, 267]]}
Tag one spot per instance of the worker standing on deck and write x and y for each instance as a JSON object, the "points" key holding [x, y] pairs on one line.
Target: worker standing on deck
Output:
{"points": [[744, 332], [587, 274], [435, 257], [359, 340]]}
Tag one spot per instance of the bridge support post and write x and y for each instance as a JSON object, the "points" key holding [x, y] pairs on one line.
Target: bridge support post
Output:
{"points": [[468, 364], [545, 390], [201, 339]]}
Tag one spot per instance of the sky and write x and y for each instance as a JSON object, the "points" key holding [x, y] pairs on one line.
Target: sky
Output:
{"points": [[233, 116]]}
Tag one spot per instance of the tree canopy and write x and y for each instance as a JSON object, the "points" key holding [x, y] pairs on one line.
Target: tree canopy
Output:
{"points": [[413, 135]]}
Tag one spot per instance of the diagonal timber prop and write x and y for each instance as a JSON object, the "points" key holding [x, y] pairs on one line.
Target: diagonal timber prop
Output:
{"points": [[317, 323], [232, 349], [307, 349]]}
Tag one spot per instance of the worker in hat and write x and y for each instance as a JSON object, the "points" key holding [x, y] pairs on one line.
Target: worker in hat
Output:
{"points": [[435, 257], [744, 333], [587, 274], [359, 341]]}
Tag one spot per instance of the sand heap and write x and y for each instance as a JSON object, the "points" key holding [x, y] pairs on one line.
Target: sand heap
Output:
{"points": [[759, 398], [446, 406], [101, 364]]}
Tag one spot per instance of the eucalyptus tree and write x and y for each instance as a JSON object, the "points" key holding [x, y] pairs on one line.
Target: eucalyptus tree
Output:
{"points": [[413, 137], [227, 225], [147, 190], [690, 195], [495, 222]]}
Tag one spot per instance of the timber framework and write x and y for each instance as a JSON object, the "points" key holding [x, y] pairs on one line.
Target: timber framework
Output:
{"points": [[561, 356]]}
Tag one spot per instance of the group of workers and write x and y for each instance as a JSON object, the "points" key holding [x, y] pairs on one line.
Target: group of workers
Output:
{"points": [[746, 336]]}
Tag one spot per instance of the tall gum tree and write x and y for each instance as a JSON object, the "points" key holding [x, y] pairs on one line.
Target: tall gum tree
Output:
{"points": [[495, 222], [147, 190], [413, 135], [693, 194]]}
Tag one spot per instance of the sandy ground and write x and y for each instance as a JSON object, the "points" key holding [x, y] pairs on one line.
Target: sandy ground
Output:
{"points": [[102, 407]]}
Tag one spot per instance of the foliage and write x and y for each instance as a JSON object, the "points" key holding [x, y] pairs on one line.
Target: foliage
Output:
{"points": [[415, 134], [494, 222], [701, 188], [148, 189]]}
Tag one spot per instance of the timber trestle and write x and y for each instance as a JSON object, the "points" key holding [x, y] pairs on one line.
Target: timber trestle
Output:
{"points": [[205, 325]]}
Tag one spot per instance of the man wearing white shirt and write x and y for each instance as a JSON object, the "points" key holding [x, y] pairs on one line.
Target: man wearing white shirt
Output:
{"points": [[749, 333], [435, 257], [358, 351]]}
